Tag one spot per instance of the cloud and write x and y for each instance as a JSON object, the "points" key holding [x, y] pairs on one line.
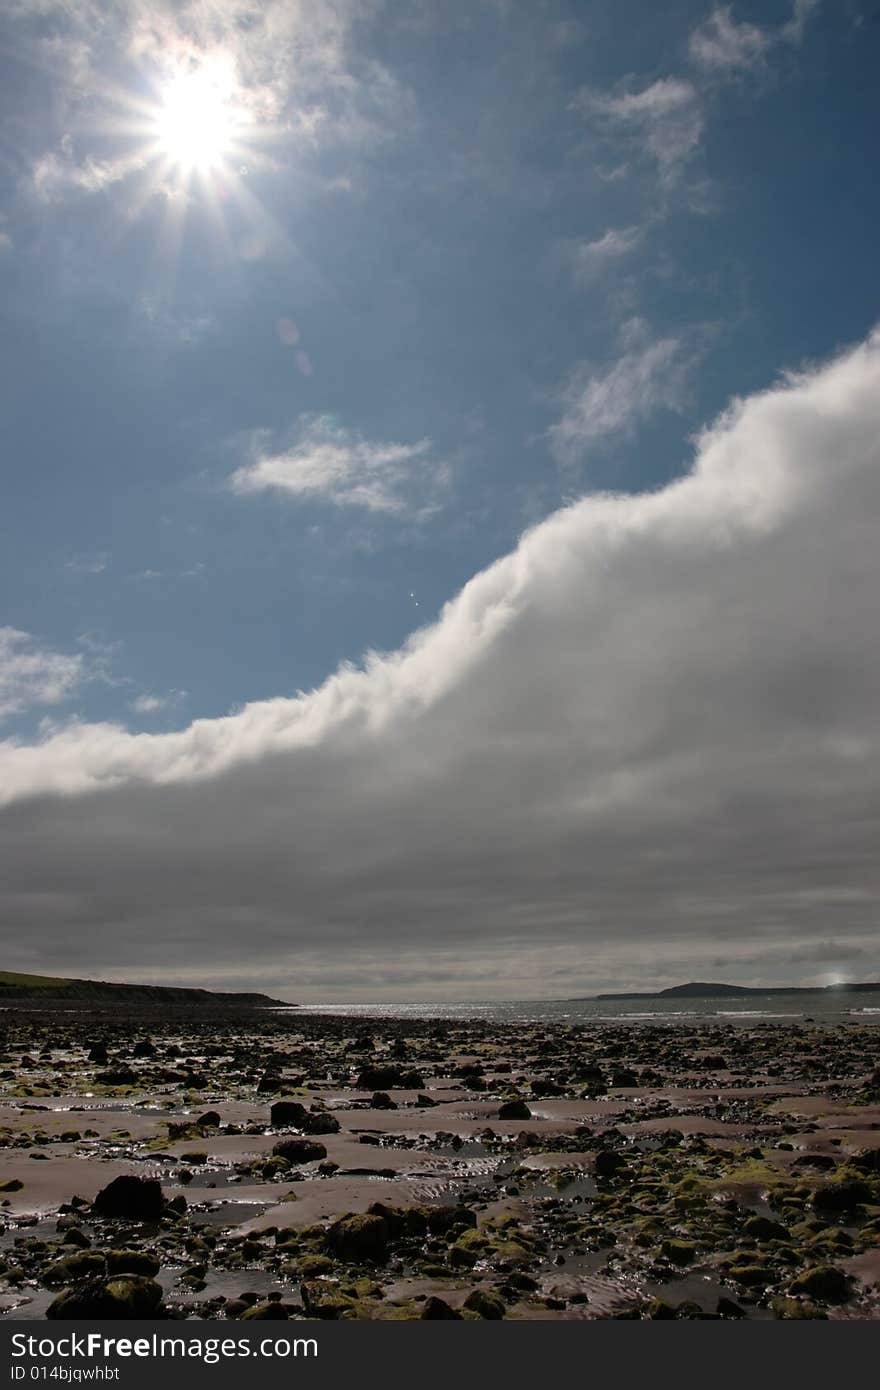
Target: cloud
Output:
{"points": [[722, 45], [329, 462], [649, 375], [148, 703], [663, 120], [31, 674], [645, 740], [591, 258], [54, 174], [88, 564]]}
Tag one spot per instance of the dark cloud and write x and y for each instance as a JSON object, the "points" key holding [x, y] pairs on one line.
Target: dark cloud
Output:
{"points": [[644, 743]]}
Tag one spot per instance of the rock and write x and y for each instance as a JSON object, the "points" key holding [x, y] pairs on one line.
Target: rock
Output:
{"points": [[843, 1195], [623, 1078], [487, 1304], [118, 1076], [322, 1300], [122, 1297], [260, 1312], [427, 1104], [726, 1308], [437, 1310], [132, 1262], [762, 1228], [380, 1100], [84, 1265], [825, 1282], [379, 1078], [514, 1110], [359, 1237], [608, 1163], [11, 1185], [299, 1150], [678, 1252], [287, 1112], [319, 1122], [144, 1049], [794, 1308], [74, 1236], [751, 1276], [210, 1120], [98, 1053], [131, 1198], [541, 1086]]}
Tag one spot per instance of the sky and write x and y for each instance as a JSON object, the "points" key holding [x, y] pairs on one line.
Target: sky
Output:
{"points": [[440, 484]]}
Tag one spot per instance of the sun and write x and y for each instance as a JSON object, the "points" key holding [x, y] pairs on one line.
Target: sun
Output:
{"points": [[196, 122]]}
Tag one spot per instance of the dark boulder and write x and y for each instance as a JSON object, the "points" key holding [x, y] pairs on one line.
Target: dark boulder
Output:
{"points": [[299, 1150], [287, 1112], [380, 1100], [514, 1110], [131, 1198], [438, 1310]]}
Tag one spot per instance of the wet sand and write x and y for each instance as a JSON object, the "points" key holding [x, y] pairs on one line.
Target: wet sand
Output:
{"points": [[665, 1171]]}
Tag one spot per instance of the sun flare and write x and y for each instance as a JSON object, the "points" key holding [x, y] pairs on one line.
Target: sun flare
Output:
{"points": [[196, 122]]}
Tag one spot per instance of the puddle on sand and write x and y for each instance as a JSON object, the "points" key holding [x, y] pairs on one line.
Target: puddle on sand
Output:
{"points": [[227, 1213]]}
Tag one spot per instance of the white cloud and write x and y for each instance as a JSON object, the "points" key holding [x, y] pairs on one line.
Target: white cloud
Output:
{"points": [[644, 741], [722, 44], [663, 120], [31, 674], [148, 703], [88, 564], [591, 258], [649, 375], [331, 462]]}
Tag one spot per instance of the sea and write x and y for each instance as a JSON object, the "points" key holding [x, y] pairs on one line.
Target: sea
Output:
{"points": [[826, 1008]]}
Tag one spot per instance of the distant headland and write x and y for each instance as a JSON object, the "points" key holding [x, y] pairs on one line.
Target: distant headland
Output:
{"points": [[699, 989], [44, 989]]}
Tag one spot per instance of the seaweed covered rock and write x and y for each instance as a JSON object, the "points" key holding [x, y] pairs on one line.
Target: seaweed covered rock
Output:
{"points": [[263, 1312], [71, 1268], [132, 1262], [825, 1282], [488, 1305], [359, 1237], [125, 1296]]}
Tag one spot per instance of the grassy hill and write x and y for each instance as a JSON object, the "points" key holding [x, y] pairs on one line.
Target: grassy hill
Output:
{"points": [[16, 988]]}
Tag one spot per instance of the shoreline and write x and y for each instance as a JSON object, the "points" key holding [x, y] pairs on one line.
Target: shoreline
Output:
{"points": [[542, 1169]]}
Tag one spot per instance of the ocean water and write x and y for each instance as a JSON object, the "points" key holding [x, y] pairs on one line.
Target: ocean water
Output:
{"points": [[828, 1008]]}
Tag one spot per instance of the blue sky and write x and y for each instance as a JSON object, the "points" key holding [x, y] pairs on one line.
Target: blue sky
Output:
{"points": [[425, 245], [435, 272]]}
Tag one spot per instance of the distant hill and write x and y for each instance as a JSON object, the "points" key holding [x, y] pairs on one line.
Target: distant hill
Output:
{"points": [[45, 989], [699, 989]]}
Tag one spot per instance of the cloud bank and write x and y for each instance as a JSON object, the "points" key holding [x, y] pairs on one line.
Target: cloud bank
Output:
{"points": [[645, 743]]}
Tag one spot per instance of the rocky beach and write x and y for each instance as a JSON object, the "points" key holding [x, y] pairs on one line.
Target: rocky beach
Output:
{"points": [[171, 1163]]}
